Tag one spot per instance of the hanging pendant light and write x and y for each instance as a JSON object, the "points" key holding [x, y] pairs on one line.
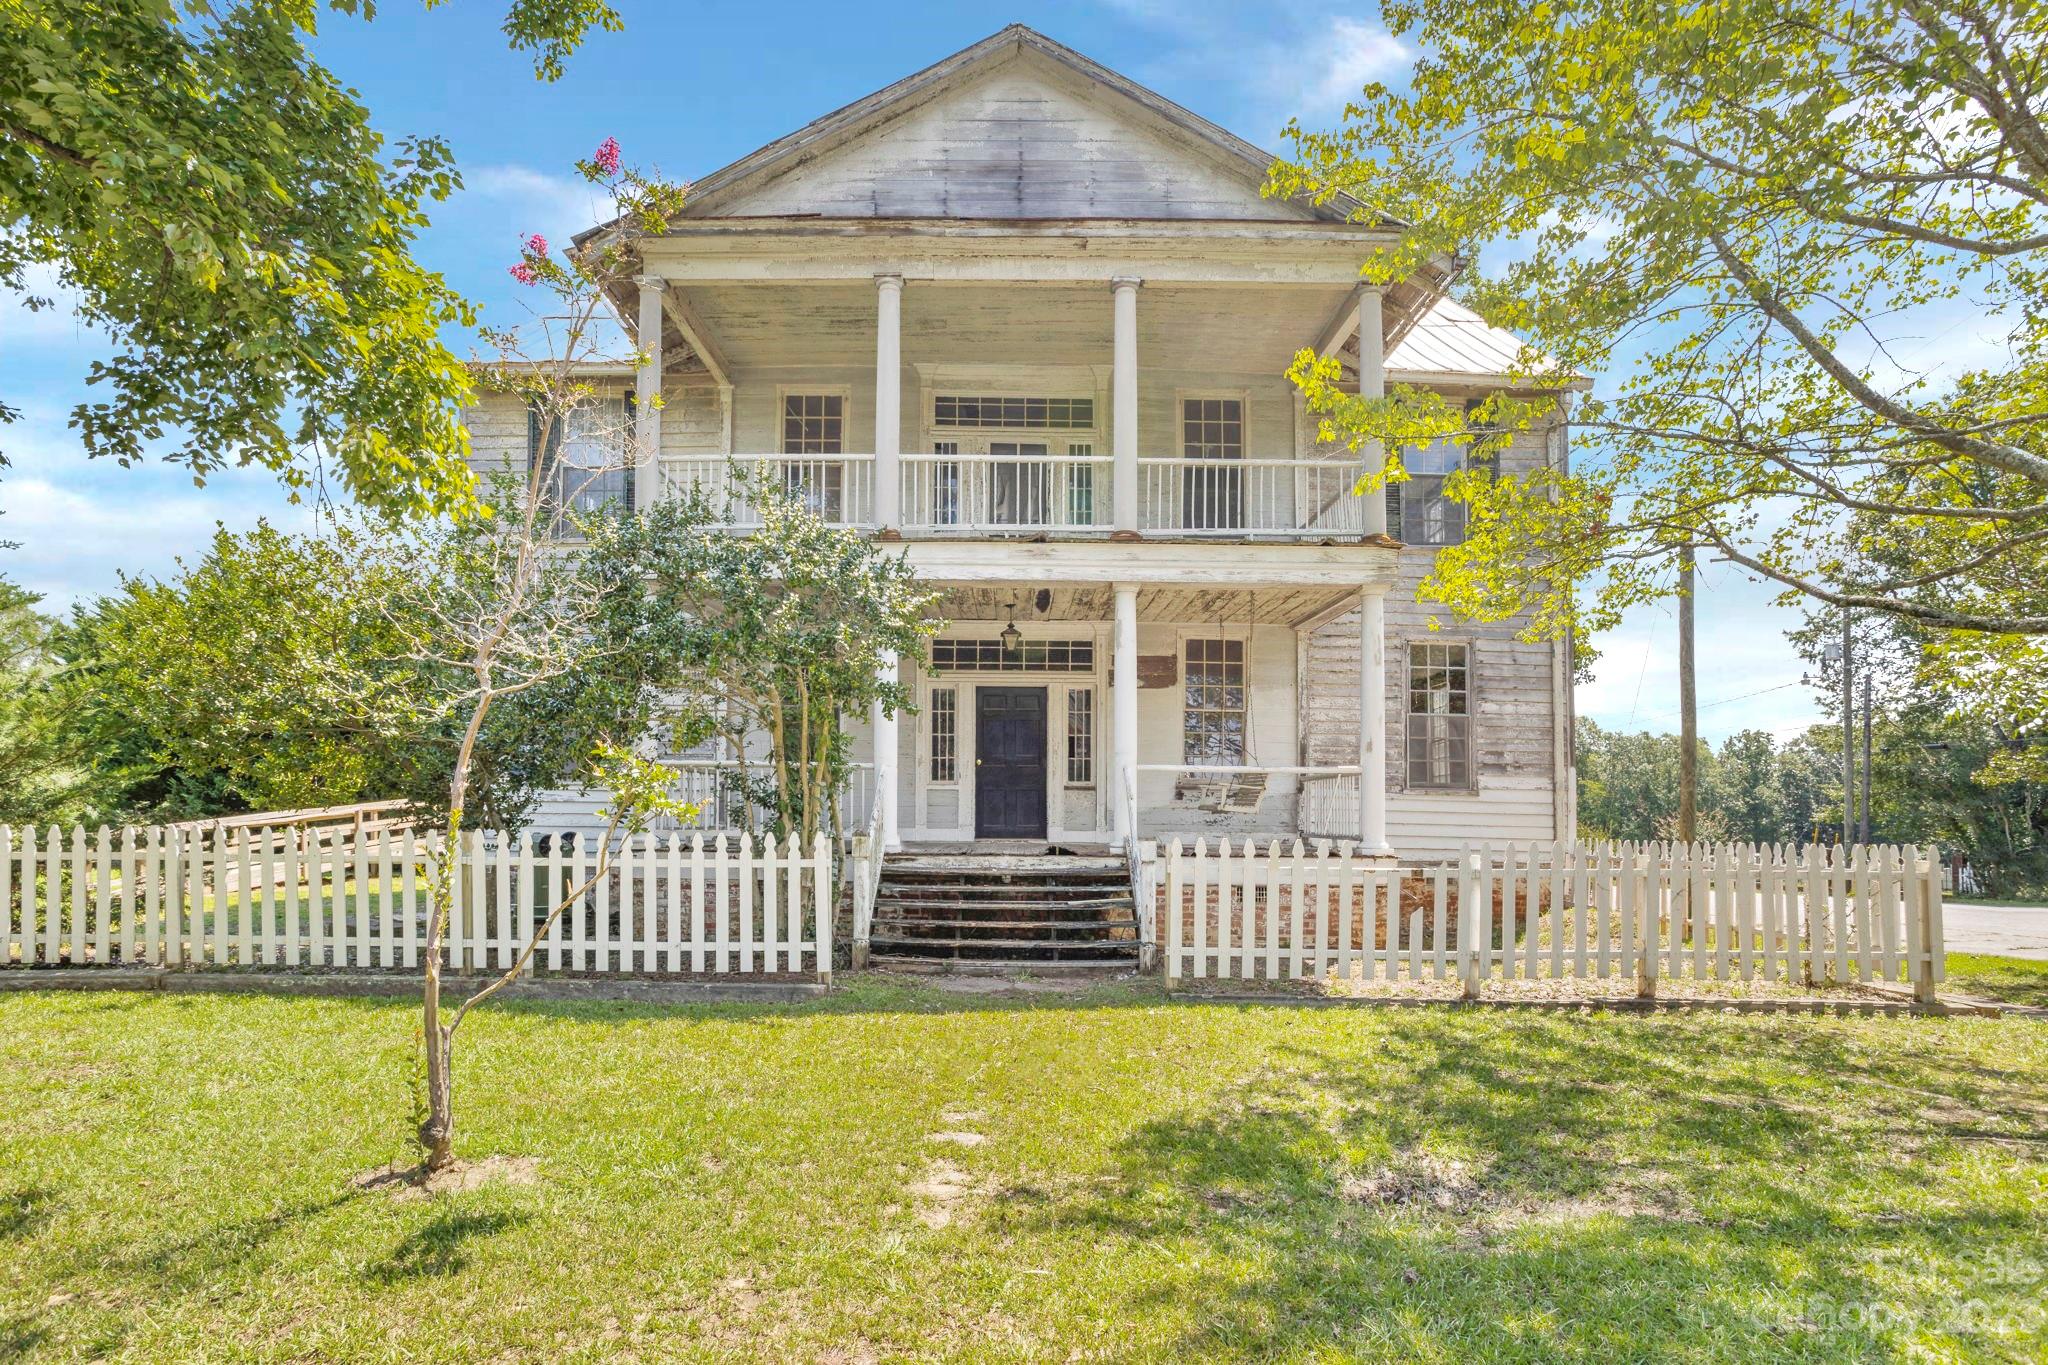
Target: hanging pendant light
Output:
{"points": [[1012, 638]]}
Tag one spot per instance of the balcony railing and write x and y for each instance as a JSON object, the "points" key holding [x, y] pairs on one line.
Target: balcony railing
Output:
{"points": [[1228, 498], [839, 488], [995, 495], [1002, 494]]}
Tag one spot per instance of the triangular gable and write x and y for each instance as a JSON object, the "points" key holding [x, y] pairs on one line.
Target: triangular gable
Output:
{"points": [[1018, 127]]}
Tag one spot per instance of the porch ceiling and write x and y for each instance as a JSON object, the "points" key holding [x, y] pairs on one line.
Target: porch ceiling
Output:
{"points": [[1240, 329], [1293, 606]]}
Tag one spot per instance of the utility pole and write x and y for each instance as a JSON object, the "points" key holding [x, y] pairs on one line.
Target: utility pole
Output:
{"points": [[1688, 706], [1848, 731], [1863, 825]]}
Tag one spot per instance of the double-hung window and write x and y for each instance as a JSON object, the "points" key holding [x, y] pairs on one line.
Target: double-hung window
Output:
{"points": [[1439, 715], [1212, 429], [587, 459], [1418, 511], [1212, 722], [813, 432]]}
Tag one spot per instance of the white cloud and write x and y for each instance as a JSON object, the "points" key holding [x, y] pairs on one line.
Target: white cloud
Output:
{"points": [[1338, 68], [513, 181], [82, 523], [1277, 69], [59, 322]]}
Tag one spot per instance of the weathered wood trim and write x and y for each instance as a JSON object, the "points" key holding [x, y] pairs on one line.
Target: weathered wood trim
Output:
{"points": [[701, 338], [1179, 124], [1253, 565]]}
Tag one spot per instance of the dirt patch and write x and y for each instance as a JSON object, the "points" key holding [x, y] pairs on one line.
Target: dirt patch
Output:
{"points": [[960, 1138], [409, 1182], [1416, 1179], [945, 1194], [1635, 1197]]}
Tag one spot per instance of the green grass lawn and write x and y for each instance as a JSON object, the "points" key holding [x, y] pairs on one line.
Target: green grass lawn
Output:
{"points": [[1151, 1181], [2017, 980]]}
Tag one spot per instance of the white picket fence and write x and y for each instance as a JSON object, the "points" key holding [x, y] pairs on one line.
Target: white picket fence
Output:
{"points": [[1280, 910], [670, 903]]}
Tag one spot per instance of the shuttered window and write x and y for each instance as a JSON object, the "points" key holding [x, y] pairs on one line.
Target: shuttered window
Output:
{"points": [[1418, 512]]}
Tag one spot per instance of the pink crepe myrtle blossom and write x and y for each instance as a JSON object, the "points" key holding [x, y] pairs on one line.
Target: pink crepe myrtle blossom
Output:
{"points": [[537, 244], [524, 273], [606, 157]]}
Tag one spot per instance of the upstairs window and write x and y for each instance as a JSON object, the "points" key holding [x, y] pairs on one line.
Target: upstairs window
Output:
{"points": [[814, 426], [1212, 429], [1013, 414], [1418, 512], [587, 465]]}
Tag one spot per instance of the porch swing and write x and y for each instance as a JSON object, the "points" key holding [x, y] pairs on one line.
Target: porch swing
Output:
{"points": [[1232, 793]]}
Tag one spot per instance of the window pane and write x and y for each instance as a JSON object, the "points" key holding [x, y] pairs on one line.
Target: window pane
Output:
{"points": [[1019, 414], [1439, 699], [1081, 736], [945, 735], [1213, 722]]}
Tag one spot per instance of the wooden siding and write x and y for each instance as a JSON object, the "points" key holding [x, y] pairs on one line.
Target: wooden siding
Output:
{"points": [[497, 435], [1022, 141], [1515, 713]]}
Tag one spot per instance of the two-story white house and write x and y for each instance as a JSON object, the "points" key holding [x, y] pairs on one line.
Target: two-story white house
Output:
{"points": [[1030, 321]]}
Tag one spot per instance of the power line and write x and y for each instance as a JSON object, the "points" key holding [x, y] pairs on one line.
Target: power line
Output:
{"points": [[1706, 705]]}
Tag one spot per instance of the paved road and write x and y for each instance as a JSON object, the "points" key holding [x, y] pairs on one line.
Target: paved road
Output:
{"points": [[2007, 930]]}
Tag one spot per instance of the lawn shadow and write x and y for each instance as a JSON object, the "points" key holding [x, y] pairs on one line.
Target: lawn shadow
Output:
{"points": [[440, 1247], [196, 1260], [24, 1210], [1504, 1195]]}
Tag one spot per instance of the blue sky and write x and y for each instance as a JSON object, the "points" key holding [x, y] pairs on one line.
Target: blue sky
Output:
{"points": [[686, 89]]}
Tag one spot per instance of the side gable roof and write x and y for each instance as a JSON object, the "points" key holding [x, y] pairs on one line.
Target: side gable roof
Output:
{"points": [[1239, 161]]}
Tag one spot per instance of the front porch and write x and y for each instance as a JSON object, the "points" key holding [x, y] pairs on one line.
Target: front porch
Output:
{"points": [[1056, 713]]}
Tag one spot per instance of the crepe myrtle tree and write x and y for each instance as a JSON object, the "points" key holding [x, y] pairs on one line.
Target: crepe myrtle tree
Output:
{"points": [[522, 613], [1760, 216], [791, 629]]}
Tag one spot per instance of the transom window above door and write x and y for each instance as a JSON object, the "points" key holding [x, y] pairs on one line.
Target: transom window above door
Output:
{"points": [[1014, 414]]}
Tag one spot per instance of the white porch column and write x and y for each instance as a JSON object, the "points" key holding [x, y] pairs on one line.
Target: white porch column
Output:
{"points": [[1123, 406], [1372, 721], [1372, 383], [1123, 716], [884, 729], [646, 455], [888, 401]]}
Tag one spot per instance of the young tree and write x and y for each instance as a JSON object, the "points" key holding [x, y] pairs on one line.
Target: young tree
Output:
{"points": [[521, 612], [1769, 198], [223, 210]]}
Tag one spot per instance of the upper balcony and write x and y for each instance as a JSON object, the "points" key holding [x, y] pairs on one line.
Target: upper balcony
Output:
{"points": [[1038, 495]]}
